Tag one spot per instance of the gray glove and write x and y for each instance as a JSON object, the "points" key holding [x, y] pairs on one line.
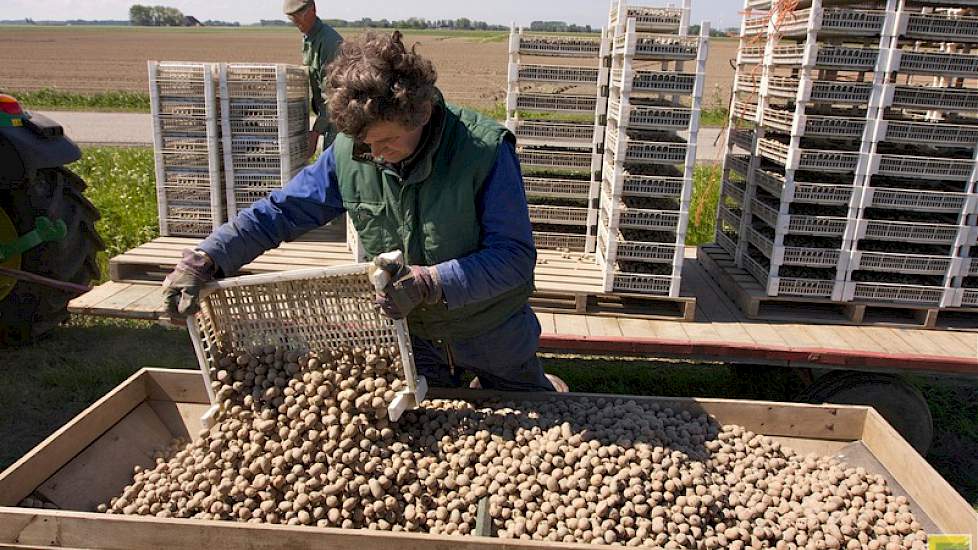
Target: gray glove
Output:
{"points": [[181, 288], [410, 287]]}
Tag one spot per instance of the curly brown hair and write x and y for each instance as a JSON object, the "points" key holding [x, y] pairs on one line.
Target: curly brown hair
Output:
{"points": [[376, 79]]}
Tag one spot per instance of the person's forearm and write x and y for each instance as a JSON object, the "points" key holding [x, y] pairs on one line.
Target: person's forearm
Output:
{"points": [[486, 274]]}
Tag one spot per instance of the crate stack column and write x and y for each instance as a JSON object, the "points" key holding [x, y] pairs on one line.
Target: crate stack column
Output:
{"points": [[647, 184], [187, 146], [557, 113], [265, 123], [743, 130], [914, 212]]}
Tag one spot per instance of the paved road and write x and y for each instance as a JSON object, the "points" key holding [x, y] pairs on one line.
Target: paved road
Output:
{"points": [[136, 129]]}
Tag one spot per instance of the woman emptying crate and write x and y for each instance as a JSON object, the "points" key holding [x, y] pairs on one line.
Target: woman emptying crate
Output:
{"points": [[438, 182]]}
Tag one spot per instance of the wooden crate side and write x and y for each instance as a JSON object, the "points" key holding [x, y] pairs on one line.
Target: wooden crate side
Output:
{"points": [[24, 476], [937, 499], [54, 528]]}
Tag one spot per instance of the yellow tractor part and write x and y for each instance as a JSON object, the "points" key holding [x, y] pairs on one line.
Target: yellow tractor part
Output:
{"points": [[8, 234]]}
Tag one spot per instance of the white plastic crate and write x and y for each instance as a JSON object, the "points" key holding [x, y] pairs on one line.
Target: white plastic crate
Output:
{"points": [[620, 216], [561, 215], [905, 166], [557, 187], [971, 267], [250, 187], [559, 74], [745, 110], [758, 271], [652, 285], [634, 185], [252, 153], [932, 63], [557, 103], [933, 133], [649, 117], [739, 164], [911, 264], [185, 116], [555, 134], [559, 241], [913, 199], [175, 79], [834, 21], [726, 215], [750, 55], [187, 186], [819, 193], [808, 159], [620, 249], [813, 125], [969, 297], [554, 159], [742, 138], [647, 19], [927, 233], [186, 152], [734, 191], [262, 118], [819, 258], [190, 221], [265, 81], [747, 83], [725, 242], [824, 226], [894, 294], [639, 151], [941, 27], [662, 82], [657, 47], [802, 288], [935, 98], [820, 91], [827, 56], [557, 46]]}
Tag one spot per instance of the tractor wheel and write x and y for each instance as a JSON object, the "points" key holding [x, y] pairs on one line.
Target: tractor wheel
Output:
{"points": [[900, 403], [29, 310]]}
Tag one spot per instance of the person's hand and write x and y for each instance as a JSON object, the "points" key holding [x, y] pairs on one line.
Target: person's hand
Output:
{"points": [[313, 142], [410, 287], [181, 288]]}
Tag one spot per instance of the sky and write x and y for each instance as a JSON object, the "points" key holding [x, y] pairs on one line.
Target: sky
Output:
{"points": [[722, 13]]}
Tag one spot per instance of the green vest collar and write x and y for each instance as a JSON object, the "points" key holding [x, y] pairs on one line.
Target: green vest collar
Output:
{"points": [[418, 166], [317, 28]]}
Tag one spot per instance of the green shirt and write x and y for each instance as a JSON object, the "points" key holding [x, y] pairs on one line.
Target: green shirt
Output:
{"points": [[319, 48]]}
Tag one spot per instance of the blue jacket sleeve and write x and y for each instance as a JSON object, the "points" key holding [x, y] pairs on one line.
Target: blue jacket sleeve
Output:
{"points": [[309, 201], [506, 255]]}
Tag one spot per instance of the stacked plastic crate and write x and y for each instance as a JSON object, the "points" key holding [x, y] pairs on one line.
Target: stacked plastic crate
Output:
{"points": [[915, 207], [264, 129], [807, 89], [654, 107], [557, 112], [186, 136]]}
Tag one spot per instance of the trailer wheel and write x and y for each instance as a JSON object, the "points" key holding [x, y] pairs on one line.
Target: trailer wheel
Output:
{"points": [[900, 403]]}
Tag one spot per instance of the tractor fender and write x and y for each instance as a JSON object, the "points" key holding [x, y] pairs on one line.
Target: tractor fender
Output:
{"points": [[37, 145]]}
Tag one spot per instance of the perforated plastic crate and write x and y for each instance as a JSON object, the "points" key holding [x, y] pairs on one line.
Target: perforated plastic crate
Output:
{"points": [[661, 253], [828, 57], [814, 125], [910, 264], [748, 83], [971, 267], [174, 79], [559, 241], [186, 152], [725, 242], [556, 134], [745, 110], [726, 215], [185, 116], [558, 46], [821, 91], [557, 187], [253, 153], [904, 166], [189, 221], [635, 185], [734, 191], [808, 288], [558, 74], [820, 193], [248, 187], [639, 151], [742, 138], [755, 269], [621, 216], [654, 82], [264, 81], [657, 47], [751, 55], [941, 133], [653, 285], [926, 233], [834, 21], [536, 102], [739, 164], [187, 186], [932, 63], [942, 27], [552, 159], [262, 118], [942, 99], [649, 19], [969, 298], [650, 117], [913, 199], [561, 215], [818, 258], [897, 294], [808, 159]]}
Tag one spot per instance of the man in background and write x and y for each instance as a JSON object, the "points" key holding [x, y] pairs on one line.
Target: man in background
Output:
{"points": [[320, 45]]}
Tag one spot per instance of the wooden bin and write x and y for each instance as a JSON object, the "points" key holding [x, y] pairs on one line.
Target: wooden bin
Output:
{"points": [[90, 459]]}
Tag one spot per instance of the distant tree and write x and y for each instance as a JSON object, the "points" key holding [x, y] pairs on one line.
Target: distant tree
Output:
{"points": [[140, 15], [155, 16], [274, 23], [463, 23]]}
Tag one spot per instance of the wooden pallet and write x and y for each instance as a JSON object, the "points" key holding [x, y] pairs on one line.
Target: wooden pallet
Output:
{"points": [[753, 300], [565, 283]]}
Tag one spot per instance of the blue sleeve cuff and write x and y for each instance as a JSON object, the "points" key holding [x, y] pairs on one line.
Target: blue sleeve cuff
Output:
{"points": [[454, 285]]}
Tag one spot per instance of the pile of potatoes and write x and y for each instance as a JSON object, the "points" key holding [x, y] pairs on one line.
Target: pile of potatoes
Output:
{"points": [[304, 439]]}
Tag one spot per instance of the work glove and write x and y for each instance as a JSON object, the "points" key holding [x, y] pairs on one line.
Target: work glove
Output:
{"points": [[409, 287], [181, 288]]}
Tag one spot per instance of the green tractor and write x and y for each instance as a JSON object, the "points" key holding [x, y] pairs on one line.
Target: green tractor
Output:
{"points": [[48, 242]]}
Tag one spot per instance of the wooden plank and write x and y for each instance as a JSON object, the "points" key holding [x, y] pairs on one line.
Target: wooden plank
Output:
{"points": [[150, 306], [547, 325], [670, 330], [128, 296], [851, 336], [824, 336], [934, 495], [888, 339], [132, 441], [764, 334], [704, 332], [20, 480], [570, 325], [602, 326], [797, 337], [94, 297], [924, 342]]}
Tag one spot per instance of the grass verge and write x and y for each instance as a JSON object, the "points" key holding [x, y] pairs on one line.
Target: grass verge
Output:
{"points": [[60, 100], [703, 207]]}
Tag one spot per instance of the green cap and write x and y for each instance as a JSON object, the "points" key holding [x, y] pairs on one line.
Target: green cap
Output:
{"points": [[295, 6]]}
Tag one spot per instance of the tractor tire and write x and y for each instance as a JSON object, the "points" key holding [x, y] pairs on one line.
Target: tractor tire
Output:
{"points": [[900, 403], [30, 310]]}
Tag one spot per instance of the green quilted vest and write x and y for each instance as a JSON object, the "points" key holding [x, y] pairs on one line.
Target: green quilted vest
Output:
{"points": [[430, 212]]}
